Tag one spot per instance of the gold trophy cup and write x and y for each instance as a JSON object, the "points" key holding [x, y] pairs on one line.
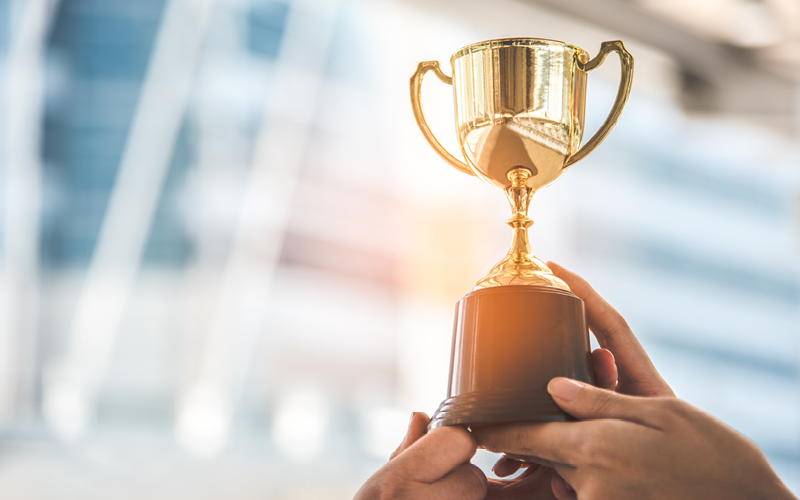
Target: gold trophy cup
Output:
{"points": [[519, 106]]}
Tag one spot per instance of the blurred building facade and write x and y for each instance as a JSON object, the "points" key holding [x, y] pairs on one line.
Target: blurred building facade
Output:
{"points": [[228, 251]]}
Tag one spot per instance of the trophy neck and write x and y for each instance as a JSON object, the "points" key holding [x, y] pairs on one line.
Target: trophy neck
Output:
{"points": [[520, 266], [519, 196]]}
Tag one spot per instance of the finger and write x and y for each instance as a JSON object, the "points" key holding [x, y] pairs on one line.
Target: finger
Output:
{"points": [[637, 374], [464, 482], [605, 369], [417, 426], [606, 322], [555, 442], [506, 466], [565, 443], [584, 401], [435, 454], [533, 484], [561, 489]]}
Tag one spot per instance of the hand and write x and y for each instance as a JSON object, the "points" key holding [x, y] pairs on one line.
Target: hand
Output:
{"points": [[628, 447], [632, 447], [636, 373], [533, 484], [620, 356], [431, 466]]}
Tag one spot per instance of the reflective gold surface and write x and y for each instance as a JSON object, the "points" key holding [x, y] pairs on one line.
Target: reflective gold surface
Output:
{"points": [[519, 118], [518, 101], [520, 266]]}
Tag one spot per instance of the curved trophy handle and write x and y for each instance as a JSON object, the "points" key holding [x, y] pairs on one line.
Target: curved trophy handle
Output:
{"points": [[626, 64], [416, 104]]}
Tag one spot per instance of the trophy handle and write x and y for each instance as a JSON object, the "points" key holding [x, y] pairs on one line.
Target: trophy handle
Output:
{"points": [[626, 64], [416, 104]]}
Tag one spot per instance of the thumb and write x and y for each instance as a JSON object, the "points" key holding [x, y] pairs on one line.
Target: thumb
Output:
{"points": [[436, 454], [417, 426], [586, 402]]}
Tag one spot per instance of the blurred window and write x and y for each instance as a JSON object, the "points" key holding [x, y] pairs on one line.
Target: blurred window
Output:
{"points": [[266, 26]]}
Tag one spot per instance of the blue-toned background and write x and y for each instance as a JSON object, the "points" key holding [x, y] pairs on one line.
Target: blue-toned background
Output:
{"points": [[229, 259]]}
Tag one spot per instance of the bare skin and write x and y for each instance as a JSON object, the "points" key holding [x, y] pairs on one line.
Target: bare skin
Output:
{"points": [[428, 466], [620, 365], [536, 482], [634, 440]]}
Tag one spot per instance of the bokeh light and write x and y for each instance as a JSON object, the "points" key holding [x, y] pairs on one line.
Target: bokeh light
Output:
{"points": [[229, 259]]}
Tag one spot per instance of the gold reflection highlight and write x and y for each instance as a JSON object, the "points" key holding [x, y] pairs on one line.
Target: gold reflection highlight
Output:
{"points": [[519, 108]]}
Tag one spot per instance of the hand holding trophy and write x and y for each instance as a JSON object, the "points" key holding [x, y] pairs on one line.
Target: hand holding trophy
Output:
{"points": [[520, 114]]}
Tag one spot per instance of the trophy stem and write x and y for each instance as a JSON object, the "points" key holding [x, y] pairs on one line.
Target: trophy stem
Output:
{"points": [[520, 266], [519, 196]]}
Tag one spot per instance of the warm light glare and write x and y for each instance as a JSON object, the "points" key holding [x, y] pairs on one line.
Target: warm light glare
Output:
{"points": [[229, 260]]}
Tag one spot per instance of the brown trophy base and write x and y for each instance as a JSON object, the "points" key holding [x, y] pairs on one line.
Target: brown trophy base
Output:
{"points": [[508, 343]]}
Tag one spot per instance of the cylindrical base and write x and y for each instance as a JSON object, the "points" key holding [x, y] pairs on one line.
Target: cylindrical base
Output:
{"points": [[508, 342]]}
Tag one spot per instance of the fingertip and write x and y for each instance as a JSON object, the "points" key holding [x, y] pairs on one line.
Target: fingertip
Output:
{"points": [[564, 389], [455, 438], [506, 466], [419, 423], [554, 265], [411, 422], [424, 416], [604, 357], [560, 270], [605, 369], [417, 427], [576, 283], [606, 353]]}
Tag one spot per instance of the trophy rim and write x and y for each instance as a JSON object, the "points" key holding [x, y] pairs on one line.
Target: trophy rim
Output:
{"points": [[514, 42]]}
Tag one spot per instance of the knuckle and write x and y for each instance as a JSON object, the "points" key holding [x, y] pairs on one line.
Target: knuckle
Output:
{"points": [[600, 404], [675, 407], [619, 326], [668, 411]]}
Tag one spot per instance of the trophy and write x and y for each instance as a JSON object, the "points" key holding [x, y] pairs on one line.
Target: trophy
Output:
{"points": [[519, 109]]}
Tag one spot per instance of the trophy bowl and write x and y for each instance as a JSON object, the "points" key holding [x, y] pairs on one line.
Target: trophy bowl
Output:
{"points": [[518, 100], [519, 112]]}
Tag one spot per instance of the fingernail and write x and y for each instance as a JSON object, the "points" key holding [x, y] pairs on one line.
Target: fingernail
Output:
{"points": [[552, 264], [564, 389], [408, 429]]}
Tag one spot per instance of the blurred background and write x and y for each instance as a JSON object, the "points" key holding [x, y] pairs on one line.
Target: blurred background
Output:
{"points": [[229, 260]]}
